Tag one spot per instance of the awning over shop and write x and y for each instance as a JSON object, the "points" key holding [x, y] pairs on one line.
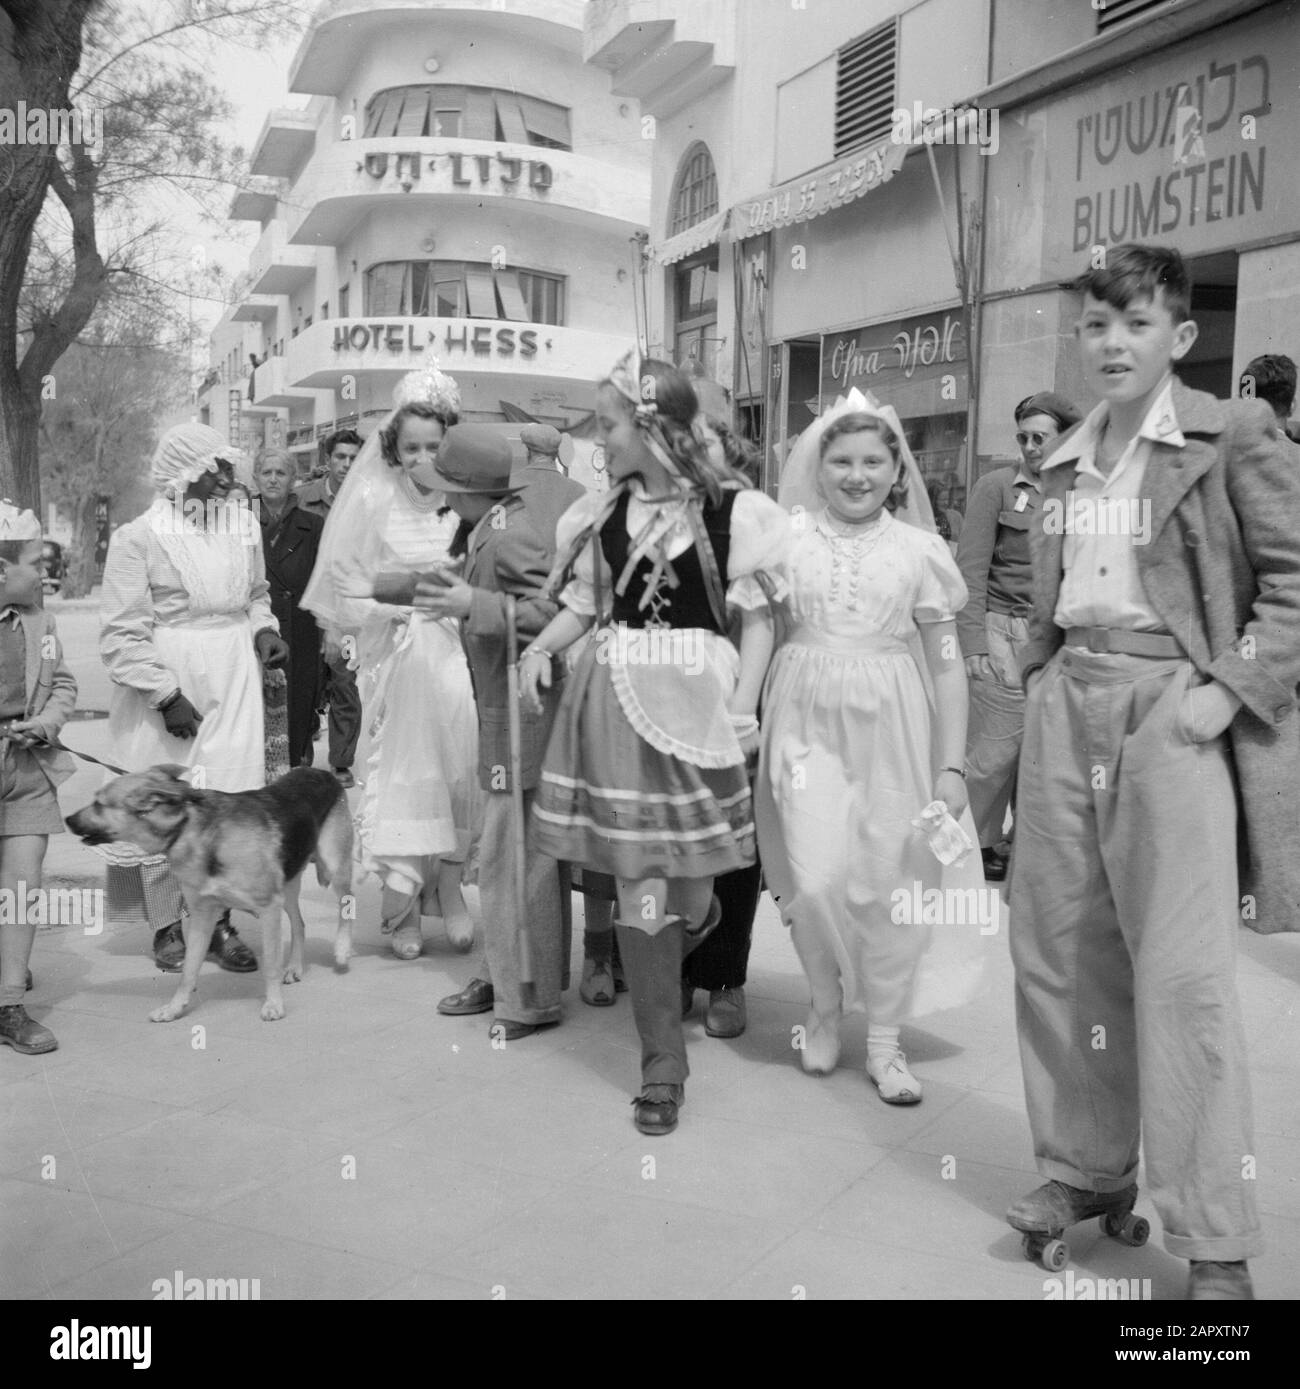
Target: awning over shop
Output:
{"points": [[686, 243], [825, 189]]}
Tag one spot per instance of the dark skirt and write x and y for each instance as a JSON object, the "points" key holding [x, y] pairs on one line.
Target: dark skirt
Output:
{"points": [[610, 801]]}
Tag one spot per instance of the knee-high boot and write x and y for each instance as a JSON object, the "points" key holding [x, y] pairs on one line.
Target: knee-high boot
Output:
{"points": [[653, 966]]}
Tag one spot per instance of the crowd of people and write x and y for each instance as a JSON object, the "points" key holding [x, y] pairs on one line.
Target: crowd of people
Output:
{"points": [[718, 690]]}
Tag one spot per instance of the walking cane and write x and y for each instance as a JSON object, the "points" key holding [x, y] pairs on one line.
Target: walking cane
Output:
{"points": [[522, 942]]}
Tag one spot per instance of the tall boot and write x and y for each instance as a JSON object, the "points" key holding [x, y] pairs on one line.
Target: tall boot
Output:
{"points": [[653, 965]]}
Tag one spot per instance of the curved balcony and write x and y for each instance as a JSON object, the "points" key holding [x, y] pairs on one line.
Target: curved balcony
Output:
{"points": [[271, 388], [349, 180], [664, 53], [491, 355], [286, 140], [275, 266], [343, 28], [256, 308]]}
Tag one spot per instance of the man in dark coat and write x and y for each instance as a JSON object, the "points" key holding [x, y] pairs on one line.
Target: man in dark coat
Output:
{"points": [[338, 681], [290, 540]]}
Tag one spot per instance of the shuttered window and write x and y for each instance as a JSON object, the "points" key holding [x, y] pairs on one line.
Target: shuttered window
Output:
{"points": [[511, 296], [864, 89], [477, 113], [1115, 12], [454, 289]]}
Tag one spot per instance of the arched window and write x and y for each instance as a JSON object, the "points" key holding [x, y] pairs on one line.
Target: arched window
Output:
{"points": [[696, 194]]}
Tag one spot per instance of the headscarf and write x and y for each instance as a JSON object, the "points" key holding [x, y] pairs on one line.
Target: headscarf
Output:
{"points": [[186, 452]]}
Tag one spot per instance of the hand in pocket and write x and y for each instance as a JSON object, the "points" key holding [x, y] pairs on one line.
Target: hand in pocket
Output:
{"points": [[1205, 711]]}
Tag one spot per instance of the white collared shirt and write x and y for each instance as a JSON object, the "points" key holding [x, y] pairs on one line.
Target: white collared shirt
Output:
{"points": [[1105, 520]]}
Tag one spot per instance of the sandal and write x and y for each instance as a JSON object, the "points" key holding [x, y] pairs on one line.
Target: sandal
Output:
{"points": [[405, 930]]}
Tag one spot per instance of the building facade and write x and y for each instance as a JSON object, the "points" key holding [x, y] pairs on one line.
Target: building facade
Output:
{"points": [[460, 187], [858, 193]]}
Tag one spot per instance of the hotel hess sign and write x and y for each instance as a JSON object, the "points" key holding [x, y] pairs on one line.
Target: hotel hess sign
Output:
{"points": [[448, 335]]}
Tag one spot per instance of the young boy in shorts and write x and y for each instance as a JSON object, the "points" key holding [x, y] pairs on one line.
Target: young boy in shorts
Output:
{"points": [[1161, 672], [37, 694]]}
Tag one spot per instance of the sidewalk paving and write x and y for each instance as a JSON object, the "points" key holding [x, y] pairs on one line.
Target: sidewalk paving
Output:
{"points": [[367, 1147]]}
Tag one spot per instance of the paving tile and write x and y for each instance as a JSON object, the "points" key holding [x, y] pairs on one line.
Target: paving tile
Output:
{"points": [[273, 1266], [518, 1126], [186, 1162], [52, 1234], [743, 1169], [582, 1243], [383, 1202], [43, 1120], [982, 1127]]}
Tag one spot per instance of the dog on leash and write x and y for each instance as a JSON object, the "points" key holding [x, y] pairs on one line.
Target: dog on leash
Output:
{"points": [[244, 849]]}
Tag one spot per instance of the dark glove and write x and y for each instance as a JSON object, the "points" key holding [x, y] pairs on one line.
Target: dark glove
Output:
{"points": [[180, 716], [272, 650]]}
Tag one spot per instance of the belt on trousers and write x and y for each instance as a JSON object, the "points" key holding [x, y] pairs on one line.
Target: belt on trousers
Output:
{"points": [[1119, 639]]}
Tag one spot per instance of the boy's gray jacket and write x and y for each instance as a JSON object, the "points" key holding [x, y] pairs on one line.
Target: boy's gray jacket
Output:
{"points": [[1222, 569], [51, 689]]}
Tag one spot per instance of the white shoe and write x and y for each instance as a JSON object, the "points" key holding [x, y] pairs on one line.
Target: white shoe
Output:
{"points": [[890, 1076], [821, 1043]]}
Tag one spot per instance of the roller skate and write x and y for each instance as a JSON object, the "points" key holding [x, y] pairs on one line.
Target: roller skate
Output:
{"points": [[1044, 1215]]}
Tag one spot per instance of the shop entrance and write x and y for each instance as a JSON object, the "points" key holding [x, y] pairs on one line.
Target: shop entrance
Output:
{"points": [[793, 381], [1208, 366]]}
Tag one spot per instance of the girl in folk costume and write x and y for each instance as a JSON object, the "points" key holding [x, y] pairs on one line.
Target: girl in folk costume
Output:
{"points": [[644, 777], [419, 786], [852, 751]]}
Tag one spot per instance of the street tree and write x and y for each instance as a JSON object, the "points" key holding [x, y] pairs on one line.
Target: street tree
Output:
{"points": [[102, 190]]}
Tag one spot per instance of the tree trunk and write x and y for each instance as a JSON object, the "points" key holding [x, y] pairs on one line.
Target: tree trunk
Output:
{"points": [[40, 48], [79, 570]]}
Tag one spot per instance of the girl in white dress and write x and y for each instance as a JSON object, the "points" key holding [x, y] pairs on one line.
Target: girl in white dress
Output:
{"points": [[419, 747], [851, 753]]}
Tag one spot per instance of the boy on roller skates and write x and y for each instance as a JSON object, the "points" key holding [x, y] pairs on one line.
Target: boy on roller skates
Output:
{"points": [[1161, 673]]}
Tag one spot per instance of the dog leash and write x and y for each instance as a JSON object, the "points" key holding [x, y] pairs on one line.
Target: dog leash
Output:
{"points": [[55, 745]]}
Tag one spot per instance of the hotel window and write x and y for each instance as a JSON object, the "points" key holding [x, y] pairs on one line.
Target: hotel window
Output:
{"points": [[864, 89], [697, 190], [458, 289], [474, 113], [344, 294]]}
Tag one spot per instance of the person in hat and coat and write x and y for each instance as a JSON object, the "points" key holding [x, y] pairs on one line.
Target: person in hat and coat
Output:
{"points": [[509, 551], [993, 627]]}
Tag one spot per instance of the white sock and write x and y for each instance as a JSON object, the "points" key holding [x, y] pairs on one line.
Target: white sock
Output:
{"points": [[882, 1042]]}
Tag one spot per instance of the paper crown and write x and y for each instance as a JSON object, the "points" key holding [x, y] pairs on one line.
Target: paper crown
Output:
{"points": [[16, 524], [428, 386]]}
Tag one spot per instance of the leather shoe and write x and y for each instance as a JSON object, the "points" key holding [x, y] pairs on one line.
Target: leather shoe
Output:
{"points": [[506, 1030], [726, 1014], [228, 951], [476, 997], [656, 1108], [344, 777], [995, 866], [169, 948], [1211, 1281], [24, 1034]]}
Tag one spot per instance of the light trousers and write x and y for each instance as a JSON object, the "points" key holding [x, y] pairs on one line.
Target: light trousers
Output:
{"points": [[1124, 921]]}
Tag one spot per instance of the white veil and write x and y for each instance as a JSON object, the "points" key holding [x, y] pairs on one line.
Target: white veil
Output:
{"points": [[798, 491], [350, 548]]}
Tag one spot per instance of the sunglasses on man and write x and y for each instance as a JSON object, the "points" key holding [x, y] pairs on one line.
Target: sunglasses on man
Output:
{"points": [[1032, 436]]}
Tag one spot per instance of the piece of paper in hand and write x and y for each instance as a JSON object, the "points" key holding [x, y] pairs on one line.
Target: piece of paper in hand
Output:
{"points": [[949, 843]]}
